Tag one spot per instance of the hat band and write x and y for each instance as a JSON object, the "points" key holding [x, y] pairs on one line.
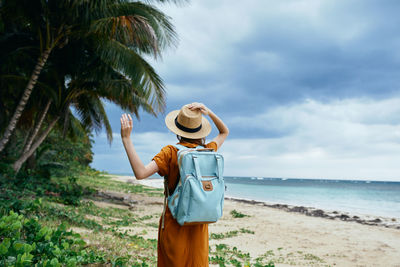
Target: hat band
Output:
{"points": [[185, 129]]}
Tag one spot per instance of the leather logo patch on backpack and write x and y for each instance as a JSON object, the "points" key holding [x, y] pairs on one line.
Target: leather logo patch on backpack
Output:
{"points": [[207, 185]]}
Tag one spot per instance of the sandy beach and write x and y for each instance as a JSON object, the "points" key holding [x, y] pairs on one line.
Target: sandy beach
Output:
{"points": [[292, 237]]}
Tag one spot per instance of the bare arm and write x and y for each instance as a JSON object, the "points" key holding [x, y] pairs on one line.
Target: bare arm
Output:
{"points": [[222, 128], [141, 171]]}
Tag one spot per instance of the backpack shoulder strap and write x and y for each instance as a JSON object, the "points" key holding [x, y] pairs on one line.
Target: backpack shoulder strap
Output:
{"points": [[166, 189], [179, 147], [166, 195]]}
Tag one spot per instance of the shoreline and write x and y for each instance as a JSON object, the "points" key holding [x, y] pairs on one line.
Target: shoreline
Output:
{"points": [[365, 219], [332, 215]]}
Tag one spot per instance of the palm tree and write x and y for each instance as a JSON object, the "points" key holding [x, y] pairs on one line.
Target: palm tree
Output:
{"points": [[84, 72], [22, 15], [118, 31], [85, 97]]}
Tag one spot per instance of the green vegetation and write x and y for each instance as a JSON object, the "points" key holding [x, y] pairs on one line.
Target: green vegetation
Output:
{"points": [[225, 255], [237, 214], [230, 234], [35, 214], [59, 62], [25, 242], [87, 230], [104, 182]]}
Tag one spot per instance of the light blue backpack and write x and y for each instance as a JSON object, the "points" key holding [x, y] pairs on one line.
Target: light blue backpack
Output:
{"points": [[199, 196]]}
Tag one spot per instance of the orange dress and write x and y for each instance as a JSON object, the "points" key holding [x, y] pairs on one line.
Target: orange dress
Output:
{"points": [[179, 246]]}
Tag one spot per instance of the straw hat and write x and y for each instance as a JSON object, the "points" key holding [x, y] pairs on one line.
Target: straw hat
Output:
{"points": [[188, 123]]}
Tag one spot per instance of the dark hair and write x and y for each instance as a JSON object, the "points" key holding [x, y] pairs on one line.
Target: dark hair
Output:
{"points": [[199, 141]]}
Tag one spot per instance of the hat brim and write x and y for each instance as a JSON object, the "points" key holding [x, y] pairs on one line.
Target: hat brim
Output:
{"points": [[203, 132]]}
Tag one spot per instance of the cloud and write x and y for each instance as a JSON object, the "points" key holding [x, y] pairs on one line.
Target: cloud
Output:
{"points": [[247, 55], [114, 159], [343, 139], [352, 138], [308, 88]]}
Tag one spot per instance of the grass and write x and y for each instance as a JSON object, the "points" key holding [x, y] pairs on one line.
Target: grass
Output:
{"points": [[106, 183], [237, 214], [104, 230], [118, 236]]}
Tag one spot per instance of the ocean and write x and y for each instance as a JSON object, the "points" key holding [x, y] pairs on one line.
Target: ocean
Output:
{"points": [[354, 196]]}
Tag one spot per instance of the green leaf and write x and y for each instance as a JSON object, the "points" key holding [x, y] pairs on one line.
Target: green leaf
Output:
{"points": [[18, 246], [26, 258], [4, 246], [56, 251], [28, 248], [16, 226], [3, 250], [65, 245], [44, 232], [54, 263], [62, 227], [71, 262], [18, 261]]}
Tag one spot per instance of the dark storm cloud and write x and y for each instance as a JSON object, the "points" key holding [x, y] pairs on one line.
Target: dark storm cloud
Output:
{"points": [[348, 50], [312, 65], [297, 81]]}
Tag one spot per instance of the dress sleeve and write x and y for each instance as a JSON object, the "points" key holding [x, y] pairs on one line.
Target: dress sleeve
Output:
{"points": [[162, 160], [212, 145]]}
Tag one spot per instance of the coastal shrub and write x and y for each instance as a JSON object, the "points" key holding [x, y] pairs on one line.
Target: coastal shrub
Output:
{"points": [[69, 214], [224, 255], [237, 214], [16, 193], [17, 200], [25, 242], [71, 193], [227, 256]]}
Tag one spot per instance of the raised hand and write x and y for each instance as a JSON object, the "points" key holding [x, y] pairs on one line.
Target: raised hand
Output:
{"points": [[126, 126], [200, 106]]}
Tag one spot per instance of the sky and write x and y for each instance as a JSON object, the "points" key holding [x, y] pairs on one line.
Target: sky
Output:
{"points": [[308, 88]]}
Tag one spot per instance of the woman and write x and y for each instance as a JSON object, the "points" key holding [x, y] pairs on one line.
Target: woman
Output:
{"points": [[177, 245]]}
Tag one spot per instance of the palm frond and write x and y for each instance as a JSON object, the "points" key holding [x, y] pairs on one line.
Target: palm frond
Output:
{"points": [[177, 2], [141, 74], [133, 31], [92, 114], [75, 129], [141, 21]]}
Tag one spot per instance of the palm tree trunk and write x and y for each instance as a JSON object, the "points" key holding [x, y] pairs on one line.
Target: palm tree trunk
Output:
{"points": [[17, 164], [27, 93], [37, 128], [28, 133]]}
